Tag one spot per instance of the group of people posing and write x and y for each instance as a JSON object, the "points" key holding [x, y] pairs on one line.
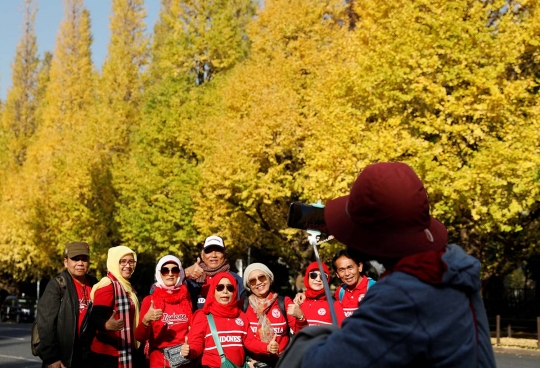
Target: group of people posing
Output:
{"points": [[194, 317], [426, 309]]}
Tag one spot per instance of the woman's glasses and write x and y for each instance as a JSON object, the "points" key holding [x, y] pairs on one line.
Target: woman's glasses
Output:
{"points": [[261, 278], [313, 275], [166, 270], [124, 262], [220, 287]]}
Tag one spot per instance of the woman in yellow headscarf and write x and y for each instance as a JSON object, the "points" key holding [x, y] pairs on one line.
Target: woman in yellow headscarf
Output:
{"points": [[115, 312]]}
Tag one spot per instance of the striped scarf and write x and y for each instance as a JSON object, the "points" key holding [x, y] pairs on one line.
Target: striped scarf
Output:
{"points": [[122, 302]]}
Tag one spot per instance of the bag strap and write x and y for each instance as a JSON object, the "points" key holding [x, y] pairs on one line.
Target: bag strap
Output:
{"points": [[62, 283], [371, 282], [212, 325], [342, 292], [281, 305]]}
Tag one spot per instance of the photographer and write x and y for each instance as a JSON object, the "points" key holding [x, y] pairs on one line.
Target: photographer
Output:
{"points": [[426, 310]]}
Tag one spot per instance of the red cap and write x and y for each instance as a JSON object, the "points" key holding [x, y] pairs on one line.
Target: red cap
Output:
{"points": [[386, 214]]}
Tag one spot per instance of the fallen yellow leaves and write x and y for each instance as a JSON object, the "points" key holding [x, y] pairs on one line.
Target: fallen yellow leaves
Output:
{"points": [[516, 343]]}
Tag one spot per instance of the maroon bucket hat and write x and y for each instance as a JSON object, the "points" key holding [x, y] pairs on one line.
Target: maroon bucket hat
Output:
{"points": [[386, 214]]}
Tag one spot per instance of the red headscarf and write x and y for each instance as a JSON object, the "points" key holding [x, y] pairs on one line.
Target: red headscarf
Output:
{"points": [[231, 310], [315, 294]]}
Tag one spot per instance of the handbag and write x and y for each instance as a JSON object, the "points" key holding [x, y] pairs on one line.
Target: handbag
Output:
{"points": [[175, 357], [225, 362]]}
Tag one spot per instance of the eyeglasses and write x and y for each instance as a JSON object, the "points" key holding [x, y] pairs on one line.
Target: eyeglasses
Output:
{"points": [[229, 287], [166, 270], [313, 275], [124, 262], [261, 278]]}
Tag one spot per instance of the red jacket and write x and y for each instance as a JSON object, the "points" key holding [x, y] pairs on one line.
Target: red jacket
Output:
{"points": [[106, 342], [175, 325], [317, 312], [279, 324], [352, 298], [233, 333]]}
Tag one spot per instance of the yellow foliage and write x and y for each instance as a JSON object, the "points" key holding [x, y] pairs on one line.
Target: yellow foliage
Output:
{"points": [[297, 99]]}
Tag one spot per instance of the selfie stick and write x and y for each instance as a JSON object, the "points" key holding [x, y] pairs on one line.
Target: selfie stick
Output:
{"points": [[313, 240]]}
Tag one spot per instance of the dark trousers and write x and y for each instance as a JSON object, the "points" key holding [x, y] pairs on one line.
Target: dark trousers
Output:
{"points": [[109, 361]]}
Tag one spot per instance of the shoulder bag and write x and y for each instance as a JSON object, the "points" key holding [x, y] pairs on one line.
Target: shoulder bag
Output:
{"points": [[225, 362], [174, 356]]}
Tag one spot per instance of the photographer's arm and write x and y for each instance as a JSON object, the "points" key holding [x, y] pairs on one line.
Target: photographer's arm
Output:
{"points": [[370, 337]]}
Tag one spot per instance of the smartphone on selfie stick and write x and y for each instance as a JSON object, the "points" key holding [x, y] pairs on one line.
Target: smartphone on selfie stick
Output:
{"points": [[310, 217]]}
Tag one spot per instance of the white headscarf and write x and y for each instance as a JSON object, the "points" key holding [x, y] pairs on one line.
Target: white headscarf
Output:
{"points": [[159, 280]]}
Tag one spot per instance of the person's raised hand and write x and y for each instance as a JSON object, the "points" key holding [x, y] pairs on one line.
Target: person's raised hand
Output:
{"points": [[295, 311], [184, 350], [195, 271], [299, 298], [152, 314], [273, 346], [113, 324]]}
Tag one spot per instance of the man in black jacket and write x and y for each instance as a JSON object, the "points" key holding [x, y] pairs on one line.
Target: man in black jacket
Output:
{"points": [[214, 261], [62, 308]]}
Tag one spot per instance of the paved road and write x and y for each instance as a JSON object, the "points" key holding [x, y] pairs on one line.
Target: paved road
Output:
{"points": [[15, 346], [15, 350], [516, 358]]}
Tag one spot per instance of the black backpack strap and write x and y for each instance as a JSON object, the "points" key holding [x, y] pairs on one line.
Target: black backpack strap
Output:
{"points": [[281, 305], [62, 282], [246, 304]]}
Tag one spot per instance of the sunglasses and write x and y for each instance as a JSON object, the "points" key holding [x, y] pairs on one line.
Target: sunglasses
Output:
{"points": [[166, 270], [213, 248], [80, 258], [261, 278], [313, 275], [220, 287]]}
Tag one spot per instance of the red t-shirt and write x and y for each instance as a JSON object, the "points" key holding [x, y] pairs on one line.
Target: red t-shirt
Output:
{"points": [[352, 298], [279, 324], [107, 342], [317, 312], [175, 325], [233, 334], [83, 294]]}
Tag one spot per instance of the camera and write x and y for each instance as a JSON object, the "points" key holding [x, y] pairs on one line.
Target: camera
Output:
{"points": [[306, 217]]}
